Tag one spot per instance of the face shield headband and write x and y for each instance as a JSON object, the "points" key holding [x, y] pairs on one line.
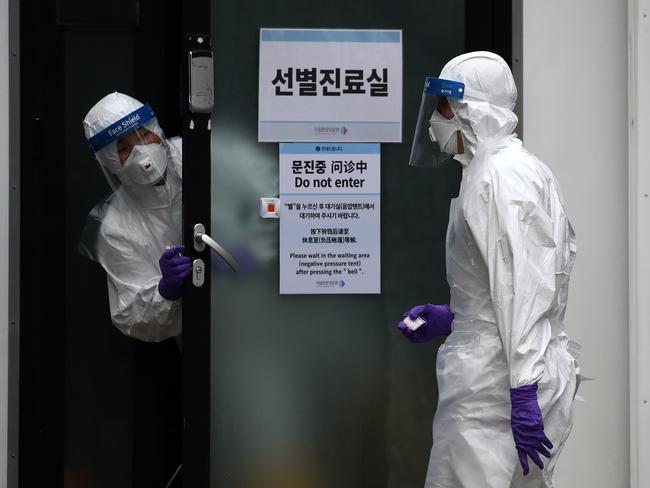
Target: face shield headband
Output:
{"points": [[122, 127]]}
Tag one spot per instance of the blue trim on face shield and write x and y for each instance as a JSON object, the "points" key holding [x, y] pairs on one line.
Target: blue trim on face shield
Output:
{"points": [[444, 88], [122, 127]]}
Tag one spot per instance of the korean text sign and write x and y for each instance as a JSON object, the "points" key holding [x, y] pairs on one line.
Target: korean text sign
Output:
{"points": [[330, 85], [329, 218]]}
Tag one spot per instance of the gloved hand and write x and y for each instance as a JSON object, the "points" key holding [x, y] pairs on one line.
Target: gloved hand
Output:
{"points": [[528, 426], [438, 322], [174, 268]]}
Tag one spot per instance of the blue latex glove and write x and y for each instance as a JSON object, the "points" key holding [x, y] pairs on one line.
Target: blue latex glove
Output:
{"points": [[174, 268], [528, 426], [438, 322]]}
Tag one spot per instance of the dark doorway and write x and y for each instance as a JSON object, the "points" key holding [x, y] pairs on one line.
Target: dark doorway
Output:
{"points": [[97, 409]]}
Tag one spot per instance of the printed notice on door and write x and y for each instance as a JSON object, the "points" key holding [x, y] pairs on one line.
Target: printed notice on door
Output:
{"points": [[330, 85], [329, 218]]}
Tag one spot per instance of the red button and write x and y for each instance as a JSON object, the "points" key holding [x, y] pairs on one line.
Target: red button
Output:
{"points": [[271, 207]]}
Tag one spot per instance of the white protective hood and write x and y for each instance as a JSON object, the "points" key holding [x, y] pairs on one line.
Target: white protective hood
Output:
{"points": [[485, 114]]}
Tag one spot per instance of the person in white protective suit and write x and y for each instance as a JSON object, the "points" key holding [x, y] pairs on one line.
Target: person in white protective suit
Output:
{"points": [[135, 233], [507, 371]]}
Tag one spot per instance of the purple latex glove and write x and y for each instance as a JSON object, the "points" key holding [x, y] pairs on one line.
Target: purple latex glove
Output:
{"points": [[528, 426], [174, 268], [438, 322]]}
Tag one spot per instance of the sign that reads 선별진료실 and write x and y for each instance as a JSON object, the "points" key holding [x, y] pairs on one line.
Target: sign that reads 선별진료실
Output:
{"points": [[329, 218], [330, 85]]}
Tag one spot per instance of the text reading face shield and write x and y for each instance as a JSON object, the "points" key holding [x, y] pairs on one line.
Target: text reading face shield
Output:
{"points": [[436, 138], [133, 148]]}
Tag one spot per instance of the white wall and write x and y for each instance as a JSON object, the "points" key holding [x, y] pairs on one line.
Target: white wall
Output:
{"points": [[574, 56], [4, 226]]}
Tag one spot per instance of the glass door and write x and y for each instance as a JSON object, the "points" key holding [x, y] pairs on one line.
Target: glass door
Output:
{"points": [[322, 390]]}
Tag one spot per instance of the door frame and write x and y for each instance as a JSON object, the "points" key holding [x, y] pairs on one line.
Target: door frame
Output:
{"points": [[639, 241], [13, 318], [197, 322]]}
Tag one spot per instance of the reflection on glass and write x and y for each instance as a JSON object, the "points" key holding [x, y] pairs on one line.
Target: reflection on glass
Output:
{"points": [[314, 390]]}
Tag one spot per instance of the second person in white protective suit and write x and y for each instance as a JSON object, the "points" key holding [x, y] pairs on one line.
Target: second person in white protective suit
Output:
{"points": [[506, 372], [135, 233]]}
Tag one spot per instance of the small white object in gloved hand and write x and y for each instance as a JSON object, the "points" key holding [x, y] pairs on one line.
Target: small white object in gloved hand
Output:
{"points": [[413, 324]]}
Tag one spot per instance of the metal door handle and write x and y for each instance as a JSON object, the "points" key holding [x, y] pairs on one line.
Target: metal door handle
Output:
{"points": [[200, 241]]}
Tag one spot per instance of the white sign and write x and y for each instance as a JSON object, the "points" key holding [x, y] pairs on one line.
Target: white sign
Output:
{"points": [[329, 218], [330, 85]]}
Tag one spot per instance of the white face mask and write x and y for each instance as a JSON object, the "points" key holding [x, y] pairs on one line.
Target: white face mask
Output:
{"points": [[145, 165], [443, 131]]}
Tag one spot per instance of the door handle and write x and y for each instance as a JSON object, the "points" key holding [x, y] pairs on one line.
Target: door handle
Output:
{"points": [[200, 241]]}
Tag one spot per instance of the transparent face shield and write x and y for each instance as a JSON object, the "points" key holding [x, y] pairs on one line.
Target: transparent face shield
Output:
{"points": [[133, 150], [436, 137]]}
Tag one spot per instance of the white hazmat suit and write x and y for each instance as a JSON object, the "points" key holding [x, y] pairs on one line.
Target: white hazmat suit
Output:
{"points": [[128, 232], [510, 250]]}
